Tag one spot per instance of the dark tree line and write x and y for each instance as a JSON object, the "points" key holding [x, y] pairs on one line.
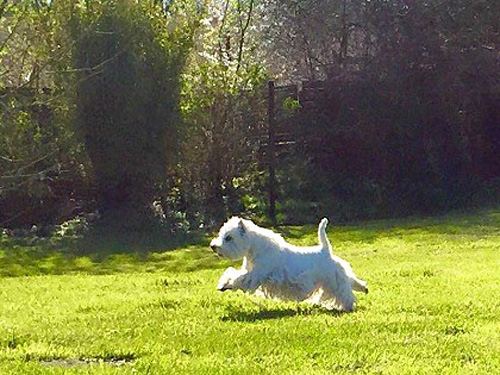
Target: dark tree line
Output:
{"points": [[137, 109], [405, 118]]}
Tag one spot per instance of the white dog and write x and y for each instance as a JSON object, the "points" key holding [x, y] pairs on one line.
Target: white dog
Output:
{"points": [[278, 269]]}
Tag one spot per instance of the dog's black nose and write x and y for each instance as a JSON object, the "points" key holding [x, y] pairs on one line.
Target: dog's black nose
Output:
{"points": [[213, 247]]}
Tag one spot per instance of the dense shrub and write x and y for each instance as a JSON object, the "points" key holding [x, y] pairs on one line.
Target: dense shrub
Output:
{"points": [[128, 57]]}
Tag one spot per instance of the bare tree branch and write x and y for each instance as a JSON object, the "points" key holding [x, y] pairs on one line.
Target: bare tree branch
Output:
{"points": [[12, 31], [243, 32], [221, 29], [3, 6]]}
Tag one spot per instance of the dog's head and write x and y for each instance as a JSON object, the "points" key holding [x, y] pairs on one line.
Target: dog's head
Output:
{"points": [[232, 240]]}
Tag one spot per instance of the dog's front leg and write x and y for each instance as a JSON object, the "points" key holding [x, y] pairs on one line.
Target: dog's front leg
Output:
{"points": [[226, 281], [233, 279], [248, 281]]}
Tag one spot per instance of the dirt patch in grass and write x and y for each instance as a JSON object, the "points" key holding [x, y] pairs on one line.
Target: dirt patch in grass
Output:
{"points": [[116, 361]]}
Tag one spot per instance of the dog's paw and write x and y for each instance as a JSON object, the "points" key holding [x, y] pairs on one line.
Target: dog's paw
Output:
{"points": [[231, 279], [223, 285], [225, 280]]}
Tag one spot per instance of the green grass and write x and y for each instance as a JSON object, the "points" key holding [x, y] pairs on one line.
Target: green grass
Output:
{"points": [[433, 308]]}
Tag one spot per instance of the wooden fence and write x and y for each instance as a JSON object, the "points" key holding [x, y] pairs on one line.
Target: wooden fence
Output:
{"points": [[285, 105]]}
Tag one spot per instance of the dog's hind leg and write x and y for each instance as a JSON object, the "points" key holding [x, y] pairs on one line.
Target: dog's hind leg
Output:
{"points": [[359, 285], [337, 291]]}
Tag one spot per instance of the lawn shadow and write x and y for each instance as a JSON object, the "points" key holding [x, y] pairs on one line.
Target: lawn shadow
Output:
{"points": [[235, 315], [101, 239], [104, 252], [472, 222]]}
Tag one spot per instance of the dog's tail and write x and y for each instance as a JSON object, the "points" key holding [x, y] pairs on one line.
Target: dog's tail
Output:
{"points": [[323, 239]]}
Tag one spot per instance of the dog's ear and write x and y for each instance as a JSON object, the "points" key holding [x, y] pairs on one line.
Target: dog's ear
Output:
{"points": [[241, 227]]}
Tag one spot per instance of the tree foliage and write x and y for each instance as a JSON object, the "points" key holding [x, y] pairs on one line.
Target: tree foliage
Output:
{"points": [[406, 119], [222, 111], [43, 169], [128, 105]]}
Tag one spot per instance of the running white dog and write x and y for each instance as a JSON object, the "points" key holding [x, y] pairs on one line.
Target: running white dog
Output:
{"points": [[278, 269]]}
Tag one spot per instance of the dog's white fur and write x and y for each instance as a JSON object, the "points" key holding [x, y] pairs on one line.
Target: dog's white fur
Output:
{"points": [[278, 269]]}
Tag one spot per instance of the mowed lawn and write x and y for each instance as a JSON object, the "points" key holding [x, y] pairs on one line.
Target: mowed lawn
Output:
{"points": [[433, 308]]}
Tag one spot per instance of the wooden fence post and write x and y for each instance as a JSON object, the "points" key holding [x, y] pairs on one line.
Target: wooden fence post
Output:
{"points": [[271, 156]]}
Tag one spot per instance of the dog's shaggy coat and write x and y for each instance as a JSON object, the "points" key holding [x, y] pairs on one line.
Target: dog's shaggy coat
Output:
{"points": [[278, 269]]}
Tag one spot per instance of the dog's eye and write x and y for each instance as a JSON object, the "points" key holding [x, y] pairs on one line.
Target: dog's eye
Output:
{"points": [[228, 238]]}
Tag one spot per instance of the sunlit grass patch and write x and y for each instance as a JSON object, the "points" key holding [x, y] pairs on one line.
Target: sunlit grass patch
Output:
{"points": [[433, 308]]}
